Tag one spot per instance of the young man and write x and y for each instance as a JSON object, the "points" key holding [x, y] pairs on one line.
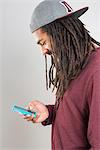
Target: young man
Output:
{"points": [[74, 73]]}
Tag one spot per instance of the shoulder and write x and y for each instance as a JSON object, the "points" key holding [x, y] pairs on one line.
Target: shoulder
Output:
{"points": [[93, 63], [95, 59]]}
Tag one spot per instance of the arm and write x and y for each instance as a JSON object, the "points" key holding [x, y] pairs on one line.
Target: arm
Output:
{"points": [[94, 112], [49, 120]]}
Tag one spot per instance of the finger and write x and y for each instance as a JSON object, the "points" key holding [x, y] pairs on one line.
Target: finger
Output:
{"points": [[27, 116], [31, 108], [31, 119], [34, 103], [35, 120]]}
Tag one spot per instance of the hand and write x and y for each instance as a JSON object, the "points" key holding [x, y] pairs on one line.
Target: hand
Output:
{"points": [[40, 109]]}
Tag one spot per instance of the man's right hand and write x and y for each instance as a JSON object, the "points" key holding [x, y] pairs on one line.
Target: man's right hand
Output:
{"points": [[40, 109]]}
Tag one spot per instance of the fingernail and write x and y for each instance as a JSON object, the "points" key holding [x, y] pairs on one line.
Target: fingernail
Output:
{"points": [[31, 107], [28, 115]]}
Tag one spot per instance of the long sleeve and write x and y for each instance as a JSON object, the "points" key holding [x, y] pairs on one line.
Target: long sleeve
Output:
{"points": [[94, 112], [49, 120]]}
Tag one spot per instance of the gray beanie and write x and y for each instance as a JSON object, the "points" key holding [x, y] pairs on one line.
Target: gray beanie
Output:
{"points": [[50, 10]]}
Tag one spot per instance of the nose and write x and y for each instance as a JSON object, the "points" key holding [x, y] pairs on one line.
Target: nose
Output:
{"points": [[46, 51]]}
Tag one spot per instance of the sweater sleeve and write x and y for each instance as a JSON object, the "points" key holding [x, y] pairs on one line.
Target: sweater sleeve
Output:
{"points": [[94, 112], [49, 120]]}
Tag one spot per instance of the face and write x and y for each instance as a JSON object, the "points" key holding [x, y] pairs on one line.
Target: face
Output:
{"points": [[43, 40]]}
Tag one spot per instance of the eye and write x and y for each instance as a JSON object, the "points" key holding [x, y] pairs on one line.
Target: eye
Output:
{"points": [[42, 44]]}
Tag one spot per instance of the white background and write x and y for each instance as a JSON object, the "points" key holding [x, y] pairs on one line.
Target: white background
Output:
{"points": [[22, 72]]}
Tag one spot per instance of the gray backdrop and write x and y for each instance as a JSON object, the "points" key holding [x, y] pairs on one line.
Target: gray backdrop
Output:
{"points": [[22, 72]]}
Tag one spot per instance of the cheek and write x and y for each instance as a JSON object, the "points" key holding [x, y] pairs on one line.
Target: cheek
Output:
{"points": [[47, 46]]}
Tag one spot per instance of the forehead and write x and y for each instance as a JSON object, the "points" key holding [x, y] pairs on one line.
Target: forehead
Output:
{"points": [[39, 34]]}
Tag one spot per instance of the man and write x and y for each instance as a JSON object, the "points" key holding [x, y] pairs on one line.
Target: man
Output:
{"points": [[74, 73]]}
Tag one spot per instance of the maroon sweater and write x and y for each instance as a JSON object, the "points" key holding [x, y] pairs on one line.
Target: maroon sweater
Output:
{"points": [[77, 122]]}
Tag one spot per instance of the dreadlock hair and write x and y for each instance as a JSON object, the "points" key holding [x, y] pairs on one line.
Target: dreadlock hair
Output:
{"points": [[71, 48]]}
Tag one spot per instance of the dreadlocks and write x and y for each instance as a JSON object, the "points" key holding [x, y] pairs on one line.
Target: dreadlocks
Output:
{"points": [[71, 48]]}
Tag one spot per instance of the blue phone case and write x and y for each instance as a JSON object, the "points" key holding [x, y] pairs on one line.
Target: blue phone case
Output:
{"points": [[24, 111]]}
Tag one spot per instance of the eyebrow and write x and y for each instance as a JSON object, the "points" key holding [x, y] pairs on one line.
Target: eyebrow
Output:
{"points": [[39, 41]]}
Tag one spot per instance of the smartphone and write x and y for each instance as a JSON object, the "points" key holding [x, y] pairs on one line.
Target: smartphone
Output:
{"points": [[24, 111]]}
